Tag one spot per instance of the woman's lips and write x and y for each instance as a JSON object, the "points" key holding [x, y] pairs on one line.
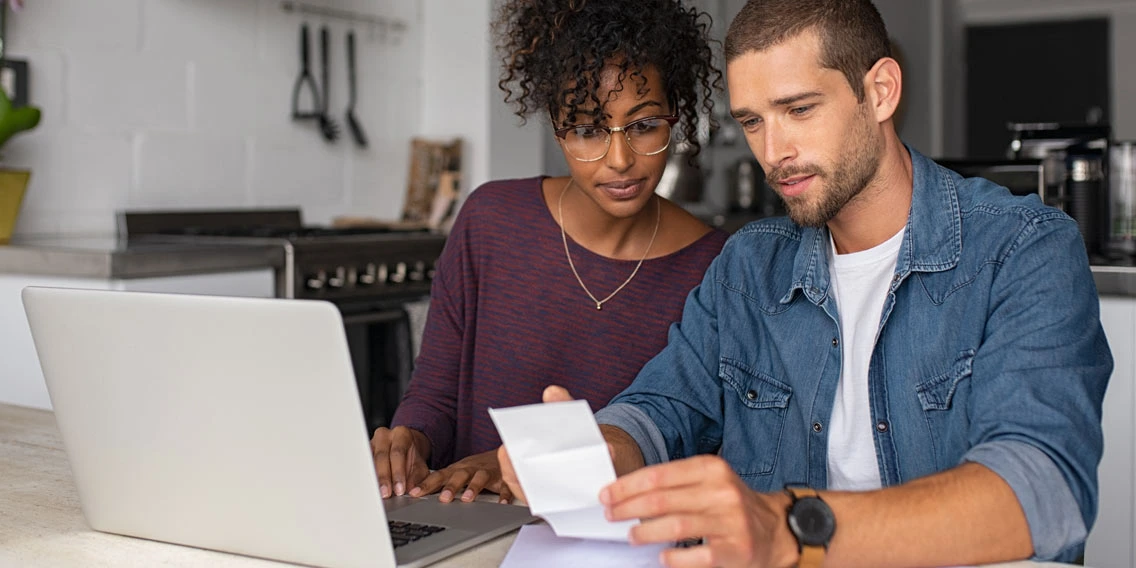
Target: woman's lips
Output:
{"points": [[795, 186], [623, 189]]}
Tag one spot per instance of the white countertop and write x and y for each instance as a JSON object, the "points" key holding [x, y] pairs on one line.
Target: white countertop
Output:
{"points": [[41, 523]]}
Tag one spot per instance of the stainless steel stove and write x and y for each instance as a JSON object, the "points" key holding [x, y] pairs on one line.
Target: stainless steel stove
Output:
{"points": [[368, 273], [335, 264]]}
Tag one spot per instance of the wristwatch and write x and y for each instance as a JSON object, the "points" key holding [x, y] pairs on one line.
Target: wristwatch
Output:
{"points": [[812, 522]]}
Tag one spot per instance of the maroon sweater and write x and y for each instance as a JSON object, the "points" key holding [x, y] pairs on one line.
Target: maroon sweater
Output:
{"points": [[507, 318]]}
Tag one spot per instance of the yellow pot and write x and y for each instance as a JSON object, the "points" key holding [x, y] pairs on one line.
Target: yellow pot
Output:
{"points": [[13, 183]]}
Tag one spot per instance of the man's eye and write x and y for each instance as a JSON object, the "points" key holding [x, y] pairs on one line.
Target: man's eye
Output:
{"points": [[751, 123], [801, 110]]}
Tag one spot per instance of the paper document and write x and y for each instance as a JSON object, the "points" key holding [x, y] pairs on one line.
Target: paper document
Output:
{"points": [[536, 545], [562, 463]]}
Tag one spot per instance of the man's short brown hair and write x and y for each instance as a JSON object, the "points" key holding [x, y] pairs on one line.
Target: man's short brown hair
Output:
{"points": [[852, 32]]}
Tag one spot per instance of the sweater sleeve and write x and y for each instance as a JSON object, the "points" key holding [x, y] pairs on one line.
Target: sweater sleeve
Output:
{"points": [[430, 402]]}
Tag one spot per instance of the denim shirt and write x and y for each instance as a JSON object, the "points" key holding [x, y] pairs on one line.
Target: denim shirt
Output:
{"points": [[989, 350]]}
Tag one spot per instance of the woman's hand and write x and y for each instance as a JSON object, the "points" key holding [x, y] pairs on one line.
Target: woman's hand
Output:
{"points": [[400, 459], [467, 477]]}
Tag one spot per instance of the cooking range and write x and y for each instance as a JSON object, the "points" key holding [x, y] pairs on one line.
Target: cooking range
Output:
{"points": [[369, 273]]}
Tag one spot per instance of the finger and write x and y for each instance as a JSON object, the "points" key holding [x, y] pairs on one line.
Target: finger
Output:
{"points": [[708, 470], [556, 394], [693, 557], [380, 445], [508, 475], [401, 444], [417, 473], [430, 484], [505, 495], [476, 485], [673, 528], [457, 480], [687, 499]]}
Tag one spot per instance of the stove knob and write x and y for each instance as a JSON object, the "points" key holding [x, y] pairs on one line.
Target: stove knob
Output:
{"points": [[381, 275], [317, 282], [419, 272], [368, 276], [431, 272], [339, 279], [399, 274]]}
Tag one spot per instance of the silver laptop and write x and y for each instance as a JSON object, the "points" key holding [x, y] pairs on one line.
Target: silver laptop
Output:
{"points": [[231, 424]]}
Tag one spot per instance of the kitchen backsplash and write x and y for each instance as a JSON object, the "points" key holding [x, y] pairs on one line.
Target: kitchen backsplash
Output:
{"points": [[187, 104]]}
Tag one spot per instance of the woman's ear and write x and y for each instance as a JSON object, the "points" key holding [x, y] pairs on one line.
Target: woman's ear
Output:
{"points": [[883, 88]]}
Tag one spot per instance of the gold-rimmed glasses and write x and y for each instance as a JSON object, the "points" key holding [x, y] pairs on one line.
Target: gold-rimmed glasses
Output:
{"points": [[590, 142]]}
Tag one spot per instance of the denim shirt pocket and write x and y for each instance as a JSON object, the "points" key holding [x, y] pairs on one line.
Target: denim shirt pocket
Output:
{"points": [[938, 392], [755, 409]]}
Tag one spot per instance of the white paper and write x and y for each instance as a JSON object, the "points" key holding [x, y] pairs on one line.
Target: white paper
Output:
{"points": [[562, 463], [536, 545]]}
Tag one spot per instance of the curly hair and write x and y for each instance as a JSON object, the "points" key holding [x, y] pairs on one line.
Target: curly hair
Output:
{"points": [[554, 52]]}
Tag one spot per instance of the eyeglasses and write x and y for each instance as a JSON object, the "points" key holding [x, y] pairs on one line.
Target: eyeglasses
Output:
{"points": [[590, 142]]}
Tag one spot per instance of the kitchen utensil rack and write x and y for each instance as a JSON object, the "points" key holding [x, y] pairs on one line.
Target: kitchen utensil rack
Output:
{"points": [[385, 25]]}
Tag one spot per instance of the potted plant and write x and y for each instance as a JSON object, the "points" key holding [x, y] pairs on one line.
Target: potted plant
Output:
{"points": [[13, 182]]}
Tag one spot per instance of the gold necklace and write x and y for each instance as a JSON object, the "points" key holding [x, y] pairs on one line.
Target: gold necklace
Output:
{"points": [[564, 237]]}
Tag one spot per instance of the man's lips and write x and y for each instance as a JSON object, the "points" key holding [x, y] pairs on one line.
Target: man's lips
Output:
{"points": [[795, 185]]}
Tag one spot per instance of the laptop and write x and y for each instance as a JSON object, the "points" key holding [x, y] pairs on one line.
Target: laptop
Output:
{"points": [[231, 424]]}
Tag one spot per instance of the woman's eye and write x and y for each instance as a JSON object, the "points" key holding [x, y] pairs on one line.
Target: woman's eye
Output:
{"points": [[587, 131], [642, 127]]}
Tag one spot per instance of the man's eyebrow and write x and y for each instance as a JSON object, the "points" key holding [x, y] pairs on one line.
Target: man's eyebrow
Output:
{"points": [[785, 101]]}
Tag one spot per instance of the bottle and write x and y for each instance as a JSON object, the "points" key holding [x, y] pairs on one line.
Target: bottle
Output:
{"points": [[1086, 199], [1122, 200]]}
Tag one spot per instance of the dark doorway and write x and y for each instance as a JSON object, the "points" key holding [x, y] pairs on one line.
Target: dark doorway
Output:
{"points": [[1034, 72]]}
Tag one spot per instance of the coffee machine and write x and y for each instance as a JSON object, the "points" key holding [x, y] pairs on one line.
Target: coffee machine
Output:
{"points": [[1075, 160]]}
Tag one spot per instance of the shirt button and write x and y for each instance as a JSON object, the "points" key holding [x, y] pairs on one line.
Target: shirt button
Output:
{"points": [[817, 427], [752, 395], [835, 342], [881, 426]]}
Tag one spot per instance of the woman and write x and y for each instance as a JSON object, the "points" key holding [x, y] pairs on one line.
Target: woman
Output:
{"points": [[571, 281]]}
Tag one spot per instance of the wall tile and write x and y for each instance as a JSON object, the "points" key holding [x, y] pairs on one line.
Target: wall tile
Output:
{"points": [[127, 92], [189, 171], [82, 25]]}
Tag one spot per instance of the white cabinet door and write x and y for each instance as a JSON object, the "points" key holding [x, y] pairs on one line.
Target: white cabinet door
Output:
{"points": [[1110, 542]]}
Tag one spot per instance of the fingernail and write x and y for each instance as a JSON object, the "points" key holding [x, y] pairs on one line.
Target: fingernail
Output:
{"points": [[446, 496], [605, 496], [467, 496], [503, 501], [608, 514], [398, 488], [415, 491], [385, 490]]}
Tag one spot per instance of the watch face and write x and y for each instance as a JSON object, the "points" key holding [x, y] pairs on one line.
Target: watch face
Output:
{"points": [[812, 521]]}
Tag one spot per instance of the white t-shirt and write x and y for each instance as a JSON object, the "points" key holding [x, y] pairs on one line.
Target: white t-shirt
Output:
{"points": [[860, 282]]}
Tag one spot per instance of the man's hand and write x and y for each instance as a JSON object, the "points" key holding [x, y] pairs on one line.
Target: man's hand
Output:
{"points": [[702, 498], [400, 459], [473, 474]]}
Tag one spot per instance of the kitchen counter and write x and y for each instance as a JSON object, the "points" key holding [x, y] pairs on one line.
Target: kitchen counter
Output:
{"points": [[106, 257]]}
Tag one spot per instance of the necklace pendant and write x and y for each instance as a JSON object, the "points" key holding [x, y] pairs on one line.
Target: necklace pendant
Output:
{"points": [[599, 306]]}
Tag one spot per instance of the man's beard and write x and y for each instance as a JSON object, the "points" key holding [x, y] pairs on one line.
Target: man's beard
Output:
{"points": [[855, 168]]}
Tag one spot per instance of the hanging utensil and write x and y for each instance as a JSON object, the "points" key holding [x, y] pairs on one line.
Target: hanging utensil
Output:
{"points": [[352, 122], [328, 126], [305, 80]]}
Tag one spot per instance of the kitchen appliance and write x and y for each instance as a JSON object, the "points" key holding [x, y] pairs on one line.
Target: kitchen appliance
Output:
{"points": [[1021, 177], [369, 273], [1122, 199]]}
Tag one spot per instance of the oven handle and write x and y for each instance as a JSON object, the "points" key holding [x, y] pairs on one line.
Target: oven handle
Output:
{"points": [[381, 316]]}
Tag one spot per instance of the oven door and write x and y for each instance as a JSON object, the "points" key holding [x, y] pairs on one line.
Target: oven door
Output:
{"points": [[380, 342]]}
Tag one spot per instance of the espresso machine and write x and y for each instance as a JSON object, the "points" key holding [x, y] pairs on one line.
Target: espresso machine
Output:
{"points": [[1075, 162]]}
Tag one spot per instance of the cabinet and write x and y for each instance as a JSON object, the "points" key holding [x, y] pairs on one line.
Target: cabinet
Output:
{"points": [[1110, 543]]}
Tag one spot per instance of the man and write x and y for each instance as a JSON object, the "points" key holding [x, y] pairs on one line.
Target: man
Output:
{"points": [[919, 355]]}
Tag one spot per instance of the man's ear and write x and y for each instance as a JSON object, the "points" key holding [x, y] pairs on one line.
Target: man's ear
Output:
{"points": [[883, 87]]}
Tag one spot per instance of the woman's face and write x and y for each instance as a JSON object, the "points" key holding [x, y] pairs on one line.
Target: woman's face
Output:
{"points": [[623, 181]]}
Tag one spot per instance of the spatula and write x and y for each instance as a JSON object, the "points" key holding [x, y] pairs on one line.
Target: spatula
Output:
{"points": [[352, 121]]}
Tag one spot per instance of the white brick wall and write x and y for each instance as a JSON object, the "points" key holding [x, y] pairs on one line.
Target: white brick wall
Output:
{"points": [[186, 103]]}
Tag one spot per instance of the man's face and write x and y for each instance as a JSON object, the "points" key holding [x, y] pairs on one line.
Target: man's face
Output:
{"points": [[819, 146]]}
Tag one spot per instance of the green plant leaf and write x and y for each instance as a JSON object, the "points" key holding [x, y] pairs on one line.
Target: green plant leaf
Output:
{"points": [[15, 120]]}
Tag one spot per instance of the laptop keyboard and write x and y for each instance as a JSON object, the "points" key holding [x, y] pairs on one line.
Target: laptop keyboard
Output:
{"points": [[403, 533]]}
